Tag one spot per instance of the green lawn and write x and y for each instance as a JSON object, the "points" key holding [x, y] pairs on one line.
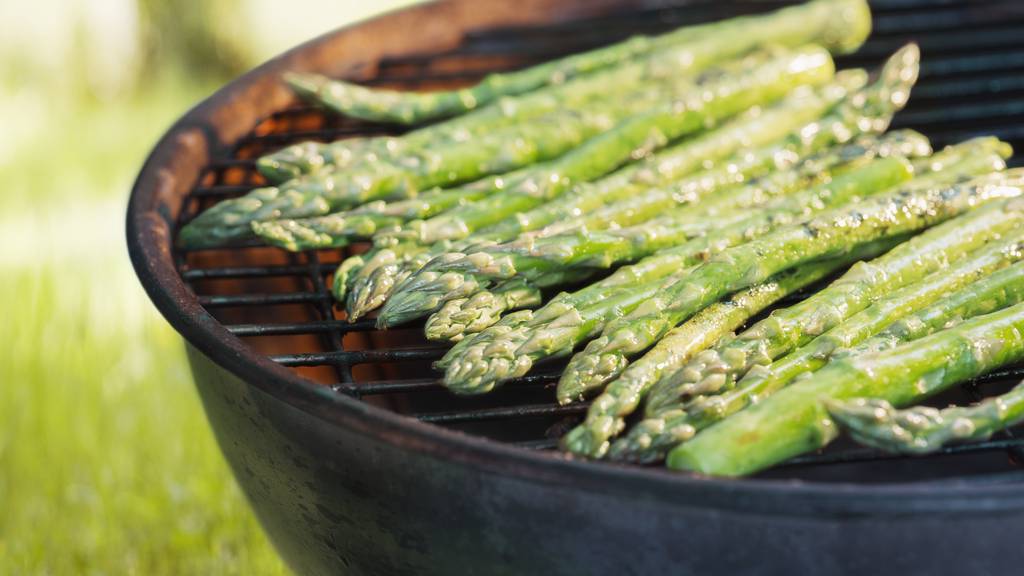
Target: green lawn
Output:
{"points": [[107, 465]]}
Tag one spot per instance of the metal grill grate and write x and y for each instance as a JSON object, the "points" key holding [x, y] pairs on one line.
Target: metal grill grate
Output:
{"points": [[971, 84]]}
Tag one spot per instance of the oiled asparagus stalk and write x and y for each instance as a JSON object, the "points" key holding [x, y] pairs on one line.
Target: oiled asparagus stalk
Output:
{"points": [[754, 83], [606, 415], [922, 429], [787, 329], [796, 420], [537, 258], [841, 25], [640, 120], [602, 154], [762, 380], [667, 57], [738, 267], [999, 290], [670, 421], [340, 228], [470, 315], [559, 338], [866, 111]]}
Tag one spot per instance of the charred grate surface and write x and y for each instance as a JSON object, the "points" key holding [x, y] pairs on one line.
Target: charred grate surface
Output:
{"points": [[972, 84]]}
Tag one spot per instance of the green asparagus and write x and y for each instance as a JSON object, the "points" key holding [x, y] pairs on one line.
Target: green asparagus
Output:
{"points": [[670, 59], [470, 315], [312, 157], [788, 329], [757, 83], [505, 361], [331, 231], [853, 330], [922, 429], [905, 210], [841, 25], [536, 258], [796, 420], [340, 228], [466, 371], [654, 269], [999, 290], [734, 86], [606, 415], [866, 111], [598, 156], [669, 422]]}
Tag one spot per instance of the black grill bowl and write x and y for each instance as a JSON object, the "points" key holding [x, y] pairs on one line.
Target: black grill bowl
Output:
{"points": [[345, 483]]}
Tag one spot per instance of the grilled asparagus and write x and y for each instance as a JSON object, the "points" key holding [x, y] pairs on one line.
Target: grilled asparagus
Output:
{"points": [[842, 25]]}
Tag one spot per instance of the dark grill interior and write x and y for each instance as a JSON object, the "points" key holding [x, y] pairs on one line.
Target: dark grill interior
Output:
{"points": [[972, 84]]}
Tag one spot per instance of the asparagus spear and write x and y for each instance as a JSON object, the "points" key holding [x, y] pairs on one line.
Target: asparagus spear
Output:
{"points": [[788, 329], [795, 420], [866, 111], [999, 290], [841, 24], [795, 121], [466, 371], [312, 157], [599, 155], [756, 82], [558, 339], [922, 429], [475, 343], [662, 264], [536, 258], [737, 268], [605, 417], [334, 230], [466, 315], [670, 60], [340, 228], [899, 303], [762, 76], [670, 422], [651, 271], [598, 300]]}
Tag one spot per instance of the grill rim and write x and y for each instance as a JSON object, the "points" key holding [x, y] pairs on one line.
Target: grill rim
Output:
{"points": [[228, 115]]}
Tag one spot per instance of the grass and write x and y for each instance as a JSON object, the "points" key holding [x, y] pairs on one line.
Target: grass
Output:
{"points": [[107, 465]]}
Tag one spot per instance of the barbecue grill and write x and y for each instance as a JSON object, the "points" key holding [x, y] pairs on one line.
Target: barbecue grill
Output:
{"points": [[357, 461]]}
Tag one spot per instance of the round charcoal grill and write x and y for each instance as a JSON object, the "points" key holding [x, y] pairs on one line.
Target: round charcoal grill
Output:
{"points": [[357, 461]]}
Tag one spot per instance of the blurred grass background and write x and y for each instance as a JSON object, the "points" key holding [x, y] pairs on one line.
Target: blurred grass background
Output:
{"points": [[107, 465]]}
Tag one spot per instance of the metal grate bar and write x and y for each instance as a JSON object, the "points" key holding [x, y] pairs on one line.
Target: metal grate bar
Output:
{"points": [[352, 357], [869, 455], [250, 271], [315, 327], [263, 299], [433, 384], [506, 413]]}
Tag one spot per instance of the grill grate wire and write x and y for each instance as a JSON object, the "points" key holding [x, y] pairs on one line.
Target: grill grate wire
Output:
{"points": [[971, 84]]}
